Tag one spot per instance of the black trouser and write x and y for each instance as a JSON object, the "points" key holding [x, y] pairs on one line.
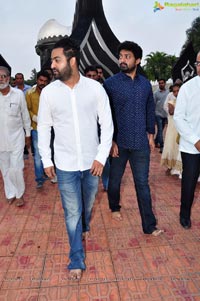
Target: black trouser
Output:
{"points": [[139, 162], [26, 152], [191, 170]]}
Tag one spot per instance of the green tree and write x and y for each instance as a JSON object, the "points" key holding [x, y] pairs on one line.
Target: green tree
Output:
{"points": [[193, 35], [33, 78], [159, 65]]}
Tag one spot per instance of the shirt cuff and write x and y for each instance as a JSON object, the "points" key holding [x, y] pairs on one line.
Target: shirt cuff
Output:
{"points": [[28, 133], [34, 118], [47, 163]]}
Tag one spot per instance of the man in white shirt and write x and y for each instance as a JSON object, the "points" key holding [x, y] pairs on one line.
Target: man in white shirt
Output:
{"points": [[14, 120], [73, 104], [187, 121]]}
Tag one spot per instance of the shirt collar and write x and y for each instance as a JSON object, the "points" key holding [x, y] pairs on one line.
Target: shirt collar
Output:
{"points": [[59, 82], [124, 75]]}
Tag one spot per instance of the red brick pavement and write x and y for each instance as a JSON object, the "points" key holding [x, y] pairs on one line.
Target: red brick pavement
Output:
{"points": [[123, 264]]}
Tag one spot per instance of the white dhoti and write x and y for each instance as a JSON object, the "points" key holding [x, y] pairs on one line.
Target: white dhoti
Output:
{"points": [[11, 166]]}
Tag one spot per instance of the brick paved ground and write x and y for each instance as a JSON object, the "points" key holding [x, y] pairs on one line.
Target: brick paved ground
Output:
{"points": [[123, 264]]}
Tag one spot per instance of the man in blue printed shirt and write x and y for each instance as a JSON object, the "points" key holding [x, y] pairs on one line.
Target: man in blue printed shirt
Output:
{"points": [[133, 112]]}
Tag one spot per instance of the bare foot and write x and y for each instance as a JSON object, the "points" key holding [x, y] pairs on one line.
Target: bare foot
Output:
{"points": [[19, 202], [157, 232], [11, 200], [85, 235], [167, 172], [75, 274], [117, 216]]}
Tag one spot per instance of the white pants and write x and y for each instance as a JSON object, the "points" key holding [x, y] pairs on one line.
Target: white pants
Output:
{"points": [[11, 166]]}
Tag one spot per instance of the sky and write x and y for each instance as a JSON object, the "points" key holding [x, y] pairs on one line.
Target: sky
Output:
{"points": [[134, 20]]}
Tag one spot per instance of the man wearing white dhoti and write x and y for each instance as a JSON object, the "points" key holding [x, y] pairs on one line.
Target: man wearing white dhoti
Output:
{"points": [[14, 119]]}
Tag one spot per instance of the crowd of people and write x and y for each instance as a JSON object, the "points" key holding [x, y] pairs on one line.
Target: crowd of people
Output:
{"points": [[83, 127]]}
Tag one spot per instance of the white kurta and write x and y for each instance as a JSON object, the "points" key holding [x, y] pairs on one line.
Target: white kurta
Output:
{"points": [[14, 120], [187, 116]]}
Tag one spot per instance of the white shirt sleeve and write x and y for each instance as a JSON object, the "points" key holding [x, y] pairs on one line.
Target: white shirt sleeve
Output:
{"points": [[106, 127], [25, 115], [44, 131], [165, 106], [186, 115]]}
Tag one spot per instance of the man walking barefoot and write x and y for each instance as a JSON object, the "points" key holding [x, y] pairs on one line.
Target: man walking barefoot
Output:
{"points": [[74, 105]]}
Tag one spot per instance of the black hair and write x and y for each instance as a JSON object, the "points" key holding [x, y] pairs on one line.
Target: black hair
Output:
{"points": [[19, 73], [176, 85], [70, 48], [99, 67], [90, 68], [43, 73], [131, 46], [163, 79]]}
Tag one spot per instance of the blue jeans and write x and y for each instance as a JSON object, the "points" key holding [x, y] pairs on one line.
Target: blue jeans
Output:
{"points": [[139, 162], [38, 166], [78, 190], [160, 122]]}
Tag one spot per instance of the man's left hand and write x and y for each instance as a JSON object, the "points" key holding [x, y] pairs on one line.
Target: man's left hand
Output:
{"points": [[197, 145], [151, 142], [97, 168]]}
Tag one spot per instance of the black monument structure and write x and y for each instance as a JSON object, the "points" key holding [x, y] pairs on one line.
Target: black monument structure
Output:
{"points": [[92, 32], [184, 68], [99, 44], [97, 41]]}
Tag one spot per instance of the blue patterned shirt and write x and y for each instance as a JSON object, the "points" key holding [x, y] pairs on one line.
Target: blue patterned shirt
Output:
{"points": [[133, 110]]}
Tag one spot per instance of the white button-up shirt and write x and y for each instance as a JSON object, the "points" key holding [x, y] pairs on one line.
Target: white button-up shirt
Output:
{"points": [[74, 114], [14, 119], [187, 115]]}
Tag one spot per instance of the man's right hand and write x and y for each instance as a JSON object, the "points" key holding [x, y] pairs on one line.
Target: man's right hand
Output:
{"points": [[50, 172], [114, 152]]}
